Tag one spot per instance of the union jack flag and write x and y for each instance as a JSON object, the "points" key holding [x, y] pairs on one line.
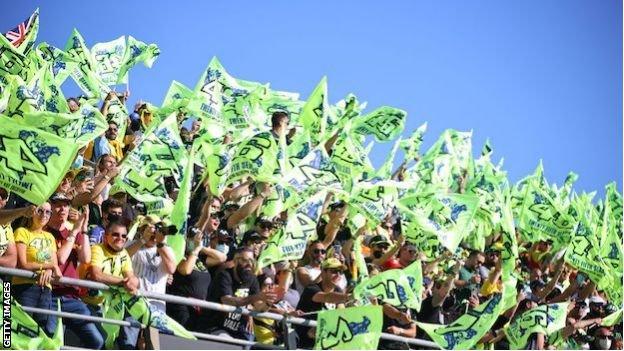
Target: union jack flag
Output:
{"points": [[17, 35]]}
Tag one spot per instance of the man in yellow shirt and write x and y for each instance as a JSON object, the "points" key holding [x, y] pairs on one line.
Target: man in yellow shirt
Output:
{"points": [[110, 264]]}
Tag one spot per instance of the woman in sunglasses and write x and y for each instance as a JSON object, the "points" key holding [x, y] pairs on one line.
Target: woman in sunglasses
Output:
{"points": [[36, 252]]}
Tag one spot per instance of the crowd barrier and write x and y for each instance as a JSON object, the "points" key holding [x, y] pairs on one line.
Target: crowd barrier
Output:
{"points": [[284, 320]]}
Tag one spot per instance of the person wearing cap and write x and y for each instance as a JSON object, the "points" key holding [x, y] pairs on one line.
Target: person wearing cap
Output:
{"points": [[238, 287], [382, 250], [73, 248], [152, 260], [8, 252], [253, 241], [324, 295]]}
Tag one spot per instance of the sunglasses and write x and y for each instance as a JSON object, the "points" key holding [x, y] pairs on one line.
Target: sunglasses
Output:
{"points": [[265, 225], [383, 247], [319, 251], [112, 129], [119, 235], [332, 270], [215, 216], [41, 212]]}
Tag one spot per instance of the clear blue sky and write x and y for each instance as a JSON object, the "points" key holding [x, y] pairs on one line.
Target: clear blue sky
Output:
{"points": [[541, 79]]}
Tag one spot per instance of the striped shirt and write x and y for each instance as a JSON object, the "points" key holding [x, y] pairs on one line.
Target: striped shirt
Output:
{"points": [[149, 268]]}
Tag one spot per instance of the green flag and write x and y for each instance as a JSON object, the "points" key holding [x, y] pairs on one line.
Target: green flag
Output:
{"points": [[32, 162], [350, 161], [414, 276], [385, 171], [374, 199], [84, 74], [545, 319], [290, 242], [80, 127], [542, 218], [411, 146], [136, 51], [177, 242], [216, 162], [61, 63], [315, 112], [26, 334], [612, 319], [466, 331], [354, 328], [107, 58], [178, 96], [160, 153], [256, 157], [385, 123], [391, 287]]}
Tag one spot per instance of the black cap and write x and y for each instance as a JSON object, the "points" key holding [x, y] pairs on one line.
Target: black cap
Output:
{"points": [[251, 235], [60, 197], [378, 239]]}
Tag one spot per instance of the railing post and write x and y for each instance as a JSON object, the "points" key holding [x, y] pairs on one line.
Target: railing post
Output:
{"points": [[290, 337]]}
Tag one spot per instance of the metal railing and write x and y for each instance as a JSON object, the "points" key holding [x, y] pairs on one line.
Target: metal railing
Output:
{"points": [[189, 301]]}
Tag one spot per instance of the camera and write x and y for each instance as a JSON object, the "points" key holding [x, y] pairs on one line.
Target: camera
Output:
{"points": [[165, 229], [193, 231]]}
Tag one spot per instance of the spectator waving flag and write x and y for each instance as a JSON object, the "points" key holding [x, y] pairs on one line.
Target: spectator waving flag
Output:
{"points": [[23, 36]]}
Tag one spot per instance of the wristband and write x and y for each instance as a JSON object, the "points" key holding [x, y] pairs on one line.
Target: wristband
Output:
{"points": [[160, 245]]}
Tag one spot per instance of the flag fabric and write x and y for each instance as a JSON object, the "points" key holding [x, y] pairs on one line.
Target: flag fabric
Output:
{"points": [[545, 319], [314, 113], [468, 329], [290, 242], [33, 162], [180, 210], [23, 36], [415, 278], [84, 74], [136, 51], [80, 127], [353, 328], [61, 63], [256, 158], [107, 58], [411, 146], [385, 123], [391, 287]]}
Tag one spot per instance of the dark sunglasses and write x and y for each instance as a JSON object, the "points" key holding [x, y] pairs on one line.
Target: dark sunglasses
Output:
{"points": [[265, 225], [332, 270], [319, 251], [113, 129], [119, 235]]}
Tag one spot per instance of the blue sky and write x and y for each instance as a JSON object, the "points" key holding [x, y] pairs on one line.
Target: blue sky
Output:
{"points": [[541, 79]]}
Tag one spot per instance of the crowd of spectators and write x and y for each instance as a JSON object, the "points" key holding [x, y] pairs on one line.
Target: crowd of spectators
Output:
{"points": [[82, 231]]}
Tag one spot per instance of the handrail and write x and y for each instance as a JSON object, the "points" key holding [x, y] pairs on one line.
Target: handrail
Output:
{"points": [[190, 301]]}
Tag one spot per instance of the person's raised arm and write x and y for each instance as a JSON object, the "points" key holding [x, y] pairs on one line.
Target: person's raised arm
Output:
{"points": [[336, 219], [542, 293], [250, 207], [439, 295], [101, 182], [62, 254], [391, 252], [9, 215], [330, 297]]}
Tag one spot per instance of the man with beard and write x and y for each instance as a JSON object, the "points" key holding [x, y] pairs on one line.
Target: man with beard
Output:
{"points": [[311, 272], [111, 265], [325, 295], [107, 144], [238, 287]]}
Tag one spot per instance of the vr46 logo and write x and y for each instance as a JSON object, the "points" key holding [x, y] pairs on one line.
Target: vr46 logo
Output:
{"points": [[18, 157]]}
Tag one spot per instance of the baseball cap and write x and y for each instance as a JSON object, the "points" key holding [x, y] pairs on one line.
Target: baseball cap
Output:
{"points": [[333, 263], [377, 240], [60, 197], [251, 235]]}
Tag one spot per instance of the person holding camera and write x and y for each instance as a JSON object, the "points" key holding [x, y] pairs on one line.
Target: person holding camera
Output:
{"points": [[152, 260]]}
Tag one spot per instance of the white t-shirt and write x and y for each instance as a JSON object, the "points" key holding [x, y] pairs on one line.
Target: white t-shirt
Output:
{"points": [[312, 272], [149, 268]]}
